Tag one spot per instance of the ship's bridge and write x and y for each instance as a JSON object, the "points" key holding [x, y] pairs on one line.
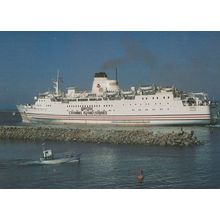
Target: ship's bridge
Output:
{"points": [[101, 84]]}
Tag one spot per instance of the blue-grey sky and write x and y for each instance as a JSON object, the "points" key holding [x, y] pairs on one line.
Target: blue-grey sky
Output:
{"points": [[29, 61]]}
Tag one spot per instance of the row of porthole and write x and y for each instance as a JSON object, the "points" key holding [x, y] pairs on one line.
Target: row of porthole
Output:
{"points": [[132, 109], [149, 104], [72, 106], [39, 105], [41, 100], [151, 109], [156, 97]]}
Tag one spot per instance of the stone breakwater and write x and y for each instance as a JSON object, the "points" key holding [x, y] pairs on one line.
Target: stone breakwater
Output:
{"points": [[112, 136]]}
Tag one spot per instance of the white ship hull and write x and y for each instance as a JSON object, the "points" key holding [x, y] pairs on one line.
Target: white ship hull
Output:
{"points": [[201, 116]]}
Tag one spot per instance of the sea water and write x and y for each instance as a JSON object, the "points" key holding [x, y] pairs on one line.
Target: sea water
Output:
{"points": [[115, 166]]}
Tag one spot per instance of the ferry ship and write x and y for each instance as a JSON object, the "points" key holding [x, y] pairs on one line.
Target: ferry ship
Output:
{"points": [[106, 103]]}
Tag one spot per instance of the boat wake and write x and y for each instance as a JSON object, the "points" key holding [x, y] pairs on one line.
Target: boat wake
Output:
{"points": [[30, 162], [38, 162], [5, 164]]}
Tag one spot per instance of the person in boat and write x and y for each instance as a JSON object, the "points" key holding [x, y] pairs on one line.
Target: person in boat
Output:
{"points": [[140, 177]]}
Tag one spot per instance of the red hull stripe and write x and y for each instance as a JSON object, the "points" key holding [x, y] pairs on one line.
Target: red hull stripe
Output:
{"points": [[117, 117]]}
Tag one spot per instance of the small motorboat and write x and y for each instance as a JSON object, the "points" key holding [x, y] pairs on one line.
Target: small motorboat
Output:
{"points": [[49, 157]]}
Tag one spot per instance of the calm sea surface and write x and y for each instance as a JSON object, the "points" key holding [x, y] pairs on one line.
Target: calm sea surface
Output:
{"points": [[114, 166]]}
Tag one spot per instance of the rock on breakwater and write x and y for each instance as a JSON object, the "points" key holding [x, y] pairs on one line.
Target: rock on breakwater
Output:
{"points": [[144, 136]]}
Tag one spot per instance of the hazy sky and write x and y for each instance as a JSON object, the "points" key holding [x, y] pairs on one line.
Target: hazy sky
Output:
{"points": [[29, 61]]}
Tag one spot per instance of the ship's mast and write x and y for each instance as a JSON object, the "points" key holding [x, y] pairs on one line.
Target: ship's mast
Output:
{"points": [[56, 83], [116, 75]]}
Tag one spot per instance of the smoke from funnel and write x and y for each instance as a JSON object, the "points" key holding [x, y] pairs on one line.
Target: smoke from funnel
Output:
{"points": [[133, 52], [113, 63]]}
